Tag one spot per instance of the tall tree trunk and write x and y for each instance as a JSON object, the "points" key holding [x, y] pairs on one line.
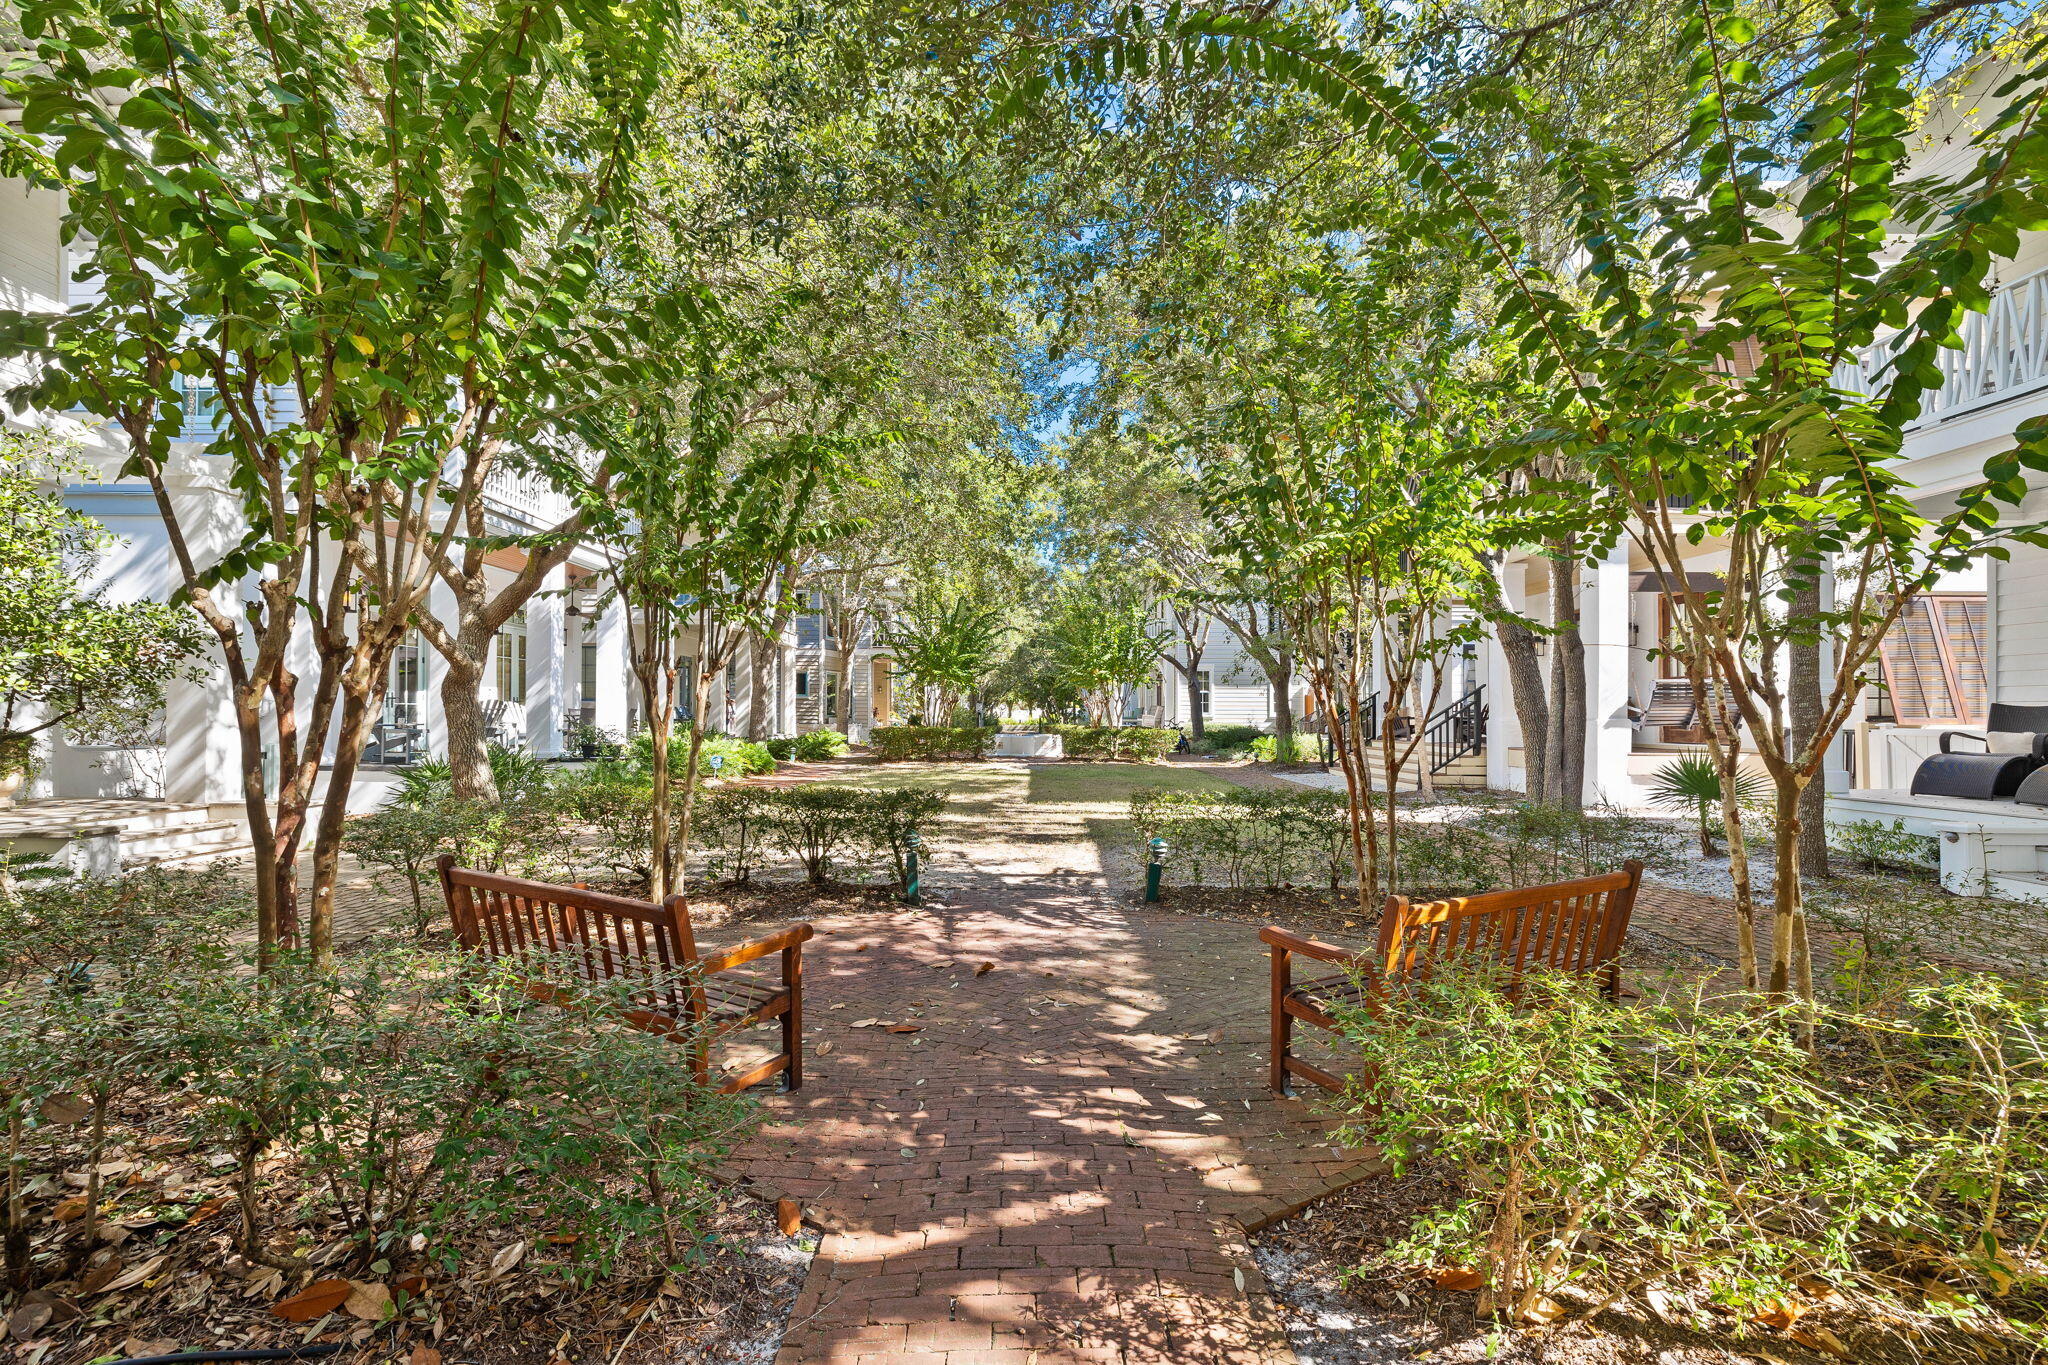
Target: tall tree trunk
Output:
{"points": [[1567, 731], [845, 721], [1280, 673], [760, 705], [462, 709], [1804, 706], [1196, 726], [1532, 708]]}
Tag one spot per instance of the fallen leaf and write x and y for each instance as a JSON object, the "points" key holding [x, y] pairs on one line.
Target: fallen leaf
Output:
{"points": [[202, 1212], [864, 947], [822, 1050], [423, 1354], [1781, 1313], [869, 1023], [506, 1259], [411, 1285], [1818, 1338], [984, 969], [789, 1216], [906, 1028], [370, 1302], [100, 1276], [316, 1300], [135, 1274], [148, 1346], [25, 1321], [63, 1109], [1459, 1278], [70, 1210], [1543, 1309]]}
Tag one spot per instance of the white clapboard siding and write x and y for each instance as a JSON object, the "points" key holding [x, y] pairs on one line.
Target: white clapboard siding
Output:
{"points": [[2020, 622], [31, 257]]}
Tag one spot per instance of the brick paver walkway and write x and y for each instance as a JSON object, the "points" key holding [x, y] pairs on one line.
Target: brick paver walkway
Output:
{"points": [[1059, 1163]]}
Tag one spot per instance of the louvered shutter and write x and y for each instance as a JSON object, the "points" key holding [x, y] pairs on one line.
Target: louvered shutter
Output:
{"points": [[1934, 662]]}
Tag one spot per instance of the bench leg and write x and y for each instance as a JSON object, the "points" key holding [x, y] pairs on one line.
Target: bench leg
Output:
{"points": [[1283, 1022], [793, 1018]]}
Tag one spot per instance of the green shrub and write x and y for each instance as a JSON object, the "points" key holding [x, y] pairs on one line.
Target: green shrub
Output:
{"points": [[1880, 844], [1230, 739], [740, 757], [399, 843], [1241, 839], [415, 1099], [1300, 749], [1115, 743], [897, 743], [1694, 1144], [812, 746], [828, 830]]}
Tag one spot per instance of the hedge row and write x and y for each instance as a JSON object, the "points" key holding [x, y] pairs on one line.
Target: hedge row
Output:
{"points": [[895, 743], [1115, 742], [826, 829], [1240, 838]]}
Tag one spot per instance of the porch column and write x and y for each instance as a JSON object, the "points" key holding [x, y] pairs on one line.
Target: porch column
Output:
{"points": [[1604, 601], [608, 631], [1835, 772], [1503, 726], [547, 682], [434, 670]]}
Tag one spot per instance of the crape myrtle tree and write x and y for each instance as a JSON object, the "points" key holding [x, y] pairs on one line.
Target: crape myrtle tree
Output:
{"points": [[1099, 635], [359, 243], [1343, 481], [695, 537], [1705, 364]]}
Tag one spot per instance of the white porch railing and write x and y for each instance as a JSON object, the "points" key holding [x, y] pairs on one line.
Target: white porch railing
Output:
{"points": [[528, 497], [2004, 352]]}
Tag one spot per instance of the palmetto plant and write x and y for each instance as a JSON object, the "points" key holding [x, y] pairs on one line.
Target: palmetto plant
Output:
{"points": [[947, 645], [1691, 782]]}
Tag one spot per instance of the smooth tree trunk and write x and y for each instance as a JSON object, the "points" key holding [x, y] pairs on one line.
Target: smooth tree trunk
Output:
{"points": [[1532, 706], [1567, 729], [1804, 705], [760, 711]]}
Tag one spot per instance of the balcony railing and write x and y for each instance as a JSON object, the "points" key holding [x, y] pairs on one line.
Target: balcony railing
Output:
{"points": [[2004, 353], [529, 497]]}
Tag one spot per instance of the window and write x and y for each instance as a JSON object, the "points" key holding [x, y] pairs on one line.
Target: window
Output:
{"points": [[1934, 661], [1202, 688], [803, 682], [512, 661]]}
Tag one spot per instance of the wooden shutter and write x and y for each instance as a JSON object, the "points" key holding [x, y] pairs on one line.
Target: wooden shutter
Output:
{"points": [[1934, 661]]}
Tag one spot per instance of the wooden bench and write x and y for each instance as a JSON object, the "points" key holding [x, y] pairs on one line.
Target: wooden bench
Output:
{"points": [[590, 937], [1574, 926]]}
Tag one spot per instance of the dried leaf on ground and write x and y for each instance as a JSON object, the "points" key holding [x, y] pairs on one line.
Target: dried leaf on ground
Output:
{"points": [[25, 1321], [70, 1210], [506, 1259], [423, 1354], [1459, 1278], [135, 1274], [316, 1300], [984, 969], [370, 1302]]}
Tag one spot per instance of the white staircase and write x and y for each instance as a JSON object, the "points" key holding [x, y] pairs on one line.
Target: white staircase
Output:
{"points": [[104, 836]]}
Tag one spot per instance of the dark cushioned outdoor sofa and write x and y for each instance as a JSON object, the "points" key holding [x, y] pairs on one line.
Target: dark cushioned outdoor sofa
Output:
{"points": [[2021, 732]]}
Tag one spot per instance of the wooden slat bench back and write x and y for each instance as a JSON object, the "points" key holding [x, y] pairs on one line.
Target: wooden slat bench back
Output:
{"points": [[1576, 926], [589, 937]]}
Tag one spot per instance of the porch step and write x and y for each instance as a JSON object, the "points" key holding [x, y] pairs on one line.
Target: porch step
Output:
{"points": [[183, 844]]}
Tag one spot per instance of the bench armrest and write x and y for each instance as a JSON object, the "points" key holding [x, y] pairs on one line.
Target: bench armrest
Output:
{"points": [[756, 948], [1978, 735], [1315, 948]]}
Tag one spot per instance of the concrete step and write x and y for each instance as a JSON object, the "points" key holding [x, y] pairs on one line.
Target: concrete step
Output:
{"points": [[178, 841]]}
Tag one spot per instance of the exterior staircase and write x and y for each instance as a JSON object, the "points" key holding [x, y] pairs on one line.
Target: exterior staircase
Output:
{"points": [[103, 836]]}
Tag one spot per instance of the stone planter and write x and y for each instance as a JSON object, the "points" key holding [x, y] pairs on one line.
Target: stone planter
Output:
{"points": [[10, 783], [1013, 744]]}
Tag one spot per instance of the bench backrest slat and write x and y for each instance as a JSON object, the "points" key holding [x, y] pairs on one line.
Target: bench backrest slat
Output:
{"points": [[596, 936], [1574, 926]]}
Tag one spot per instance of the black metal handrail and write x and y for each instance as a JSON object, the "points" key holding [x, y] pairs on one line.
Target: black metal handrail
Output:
{"points": [[1457, 730]]}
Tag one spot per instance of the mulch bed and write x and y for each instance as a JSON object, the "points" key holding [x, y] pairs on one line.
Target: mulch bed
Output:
{"points": [[759, 902], [1340, 1314], [165, 1277]]}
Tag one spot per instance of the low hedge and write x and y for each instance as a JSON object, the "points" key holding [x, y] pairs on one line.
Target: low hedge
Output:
{"points": [[1135, 743], [826, 829], [1245, 839], [897, 743], [809, 747]]}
